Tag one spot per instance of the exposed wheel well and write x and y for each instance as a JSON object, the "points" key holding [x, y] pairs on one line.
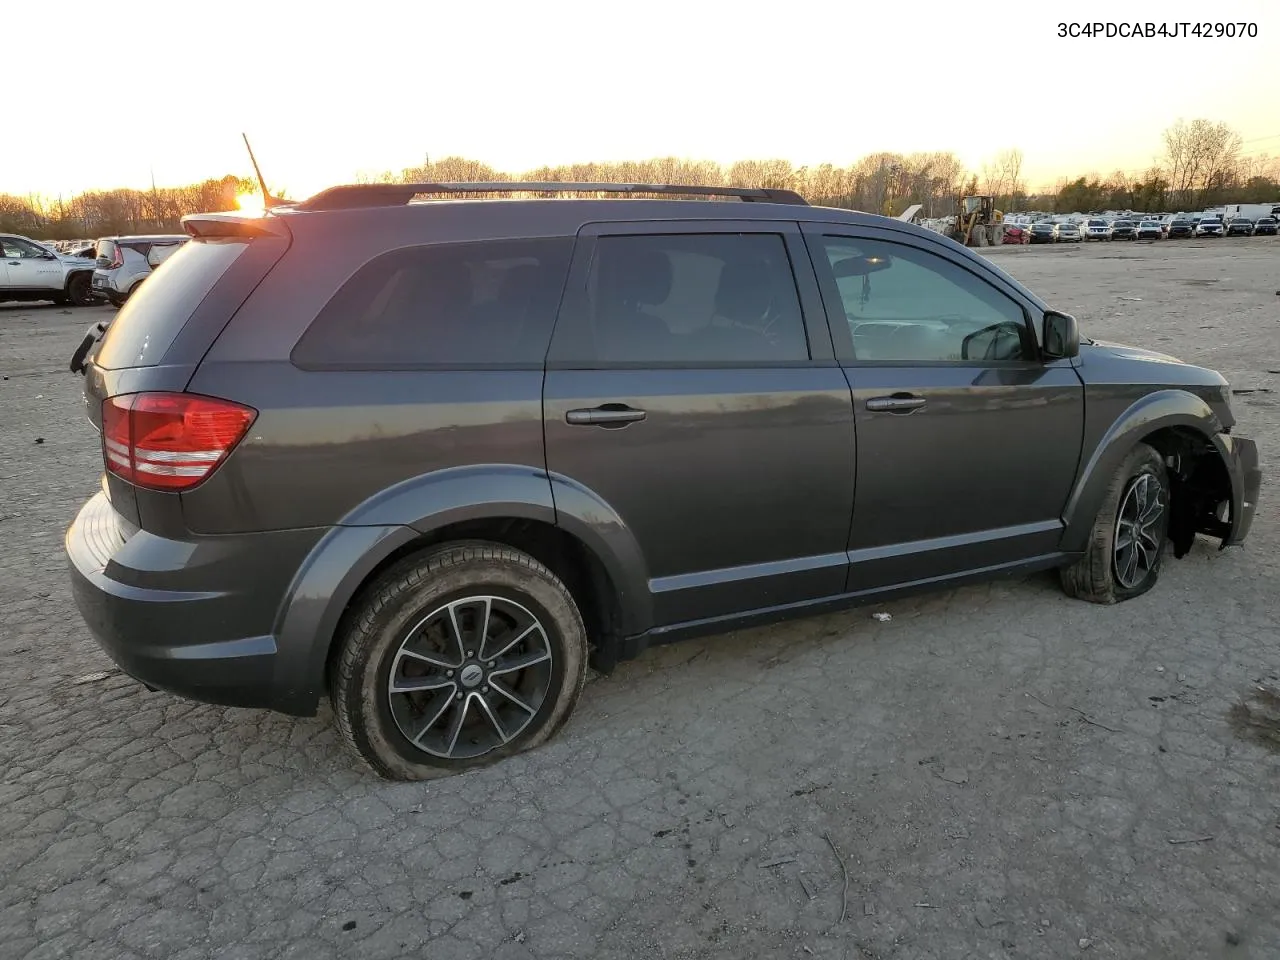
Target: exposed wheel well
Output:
{"points": [[578, 568], [77, 273], [1199, 485]]}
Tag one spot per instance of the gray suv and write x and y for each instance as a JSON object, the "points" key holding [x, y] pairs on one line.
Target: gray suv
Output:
{"points": [[432, 458]]}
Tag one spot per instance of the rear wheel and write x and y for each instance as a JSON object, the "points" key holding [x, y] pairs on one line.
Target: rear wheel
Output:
{"points": [[1127, 544], [456, 659]]}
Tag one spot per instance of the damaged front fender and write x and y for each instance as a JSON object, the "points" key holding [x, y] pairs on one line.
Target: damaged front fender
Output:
{"points": [[1240, 457]]}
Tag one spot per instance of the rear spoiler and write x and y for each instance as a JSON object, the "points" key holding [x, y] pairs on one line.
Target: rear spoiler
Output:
{"points": [[215, 225]]}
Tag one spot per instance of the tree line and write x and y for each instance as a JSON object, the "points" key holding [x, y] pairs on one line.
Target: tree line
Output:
{"points": [[102, 213], [1202, 164]]}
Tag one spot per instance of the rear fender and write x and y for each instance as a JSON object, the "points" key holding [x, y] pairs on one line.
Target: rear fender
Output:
{"points": [[344, 559], [1155, 411]]}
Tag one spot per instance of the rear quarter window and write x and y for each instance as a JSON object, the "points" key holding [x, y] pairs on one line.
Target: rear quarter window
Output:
{"points": [[153, 316], [490, 303]]}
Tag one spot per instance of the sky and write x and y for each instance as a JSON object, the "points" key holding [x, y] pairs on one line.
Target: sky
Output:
{"points": [[327, 91]]}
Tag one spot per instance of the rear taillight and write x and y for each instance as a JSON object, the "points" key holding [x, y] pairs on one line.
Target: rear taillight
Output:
{"points": [[170, 441]]}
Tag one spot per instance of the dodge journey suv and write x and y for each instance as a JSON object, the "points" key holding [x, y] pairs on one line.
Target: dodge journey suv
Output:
{"points": [[431, 457]]}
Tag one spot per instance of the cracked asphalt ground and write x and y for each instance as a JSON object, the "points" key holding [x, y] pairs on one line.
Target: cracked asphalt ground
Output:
{"points": [[1005, 772]]}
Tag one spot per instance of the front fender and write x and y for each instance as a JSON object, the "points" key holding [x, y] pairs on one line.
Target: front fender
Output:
{"points": [[1155, 411]]}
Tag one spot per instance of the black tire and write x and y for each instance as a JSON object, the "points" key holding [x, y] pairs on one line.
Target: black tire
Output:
{"points": [[116, 300], [1097, 577], [80, 290], [405, 602]]}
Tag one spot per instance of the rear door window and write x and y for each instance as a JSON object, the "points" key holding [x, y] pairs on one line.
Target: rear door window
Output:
{"points": [[694, 298], [152, 317], [465, 304]]}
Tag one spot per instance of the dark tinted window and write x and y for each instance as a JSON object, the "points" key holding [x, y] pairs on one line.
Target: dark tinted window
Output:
{"points": [[468, 303], [906, 305], [153, 315], [694, 298]]}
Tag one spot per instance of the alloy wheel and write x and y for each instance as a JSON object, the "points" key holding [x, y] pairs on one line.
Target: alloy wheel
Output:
{"points": [[1138, 530], [470, 677]]}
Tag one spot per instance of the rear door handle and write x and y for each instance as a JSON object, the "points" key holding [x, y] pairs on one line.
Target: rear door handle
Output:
{"points": [[898, 403], [608, 415]]}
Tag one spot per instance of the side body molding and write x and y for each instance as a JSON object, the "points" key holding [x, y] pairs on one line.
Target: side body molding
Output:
{"points": [[1155, 411]]}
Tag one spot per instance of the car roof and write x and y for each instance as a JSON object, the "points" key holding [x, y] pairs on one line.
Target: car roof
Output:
{"points": [[149, 236]]}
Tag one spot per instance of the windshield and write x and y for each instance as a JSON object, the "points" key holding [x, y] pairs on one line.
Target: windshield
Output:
{"points": [[1097, 223]]}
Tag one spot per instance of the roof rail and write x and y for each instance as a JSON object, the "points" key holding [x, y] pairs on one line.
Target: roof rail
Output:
{"points": [[352, 196]]}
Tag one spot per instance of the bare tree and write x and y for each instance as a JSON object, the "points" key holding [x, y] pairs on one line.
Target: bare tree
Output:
{"points": [[1199, 157], [1010, 164]]}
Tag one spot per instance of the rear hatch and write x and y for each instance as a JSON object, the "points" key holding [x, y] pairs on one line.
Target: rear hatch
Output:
{"points": [[156, 341]]}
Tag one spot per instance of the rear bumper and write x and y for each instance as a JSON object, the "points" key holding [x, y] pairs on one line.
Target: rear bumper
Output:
{"points": [[103, 283], [191, 617]]}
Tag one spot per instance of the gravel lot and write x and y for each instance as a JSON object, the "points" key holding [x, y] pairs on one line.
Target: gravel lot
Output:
{"points": [[1006, 773]]}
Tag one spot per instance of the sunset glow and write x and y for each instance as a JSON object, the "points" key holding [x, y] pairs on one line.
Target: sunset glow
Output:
{"points": [[250, 203], [351, 96]]}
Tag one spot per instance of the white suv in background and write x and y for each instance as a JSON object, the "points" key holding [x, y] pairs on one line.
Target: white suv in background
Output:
{"points": [[1097, 229], [124, 262], [30, 270]]}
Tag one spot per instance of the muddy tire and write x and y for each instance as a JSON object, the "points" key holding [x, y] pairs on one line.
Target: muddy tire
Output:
{"points": [[1127, 544], [456, 659]]}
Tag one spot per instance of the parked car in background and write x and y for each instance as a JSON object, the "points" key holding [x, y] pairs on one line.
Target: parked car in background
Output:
{"points": [[1070, 232], [1097, 229], [1210, 227], [1124, 230], [434, 479], [1044, 232], [1266, 227], [1240, 227], [125, 262], [1016, 233], [1149, 230], [30, 270]]}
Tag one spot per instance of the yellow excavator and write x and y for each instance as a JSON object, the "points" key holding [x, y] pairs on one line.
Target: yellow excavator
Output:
{"points": [[978, 222]]}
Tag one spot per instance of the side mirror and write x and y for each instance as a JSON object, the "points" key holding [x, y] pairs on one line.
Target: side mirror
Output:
{"points": [[1060, 336], [861, 266]]}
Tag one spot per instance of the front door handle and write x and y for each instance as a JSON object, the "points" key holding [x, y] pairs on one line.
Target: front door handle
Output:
{"points": [[898, 403], [608, 415]]}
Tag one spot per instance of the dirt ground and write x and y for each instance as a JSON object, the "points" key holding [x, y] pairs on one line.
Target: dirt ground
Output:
{"points": [[996, 772]]}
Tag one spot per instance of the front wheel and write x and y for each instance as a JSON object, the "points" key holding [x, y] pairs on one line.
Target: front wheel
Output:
{"points": [[1125, 549], [456, 659], [80, 291]]}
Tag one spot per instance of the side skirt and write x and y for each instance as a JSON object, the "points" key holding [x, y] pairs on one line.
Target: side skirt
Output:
{"points": [[631, 647]]}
